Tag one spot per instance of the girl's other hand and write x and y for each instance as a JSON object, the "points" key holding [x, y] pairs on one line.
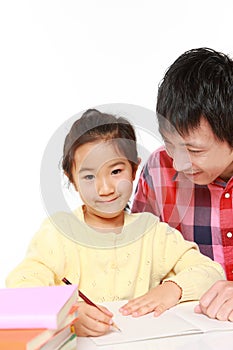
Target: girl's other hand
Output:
{"points": [[157, 299]]}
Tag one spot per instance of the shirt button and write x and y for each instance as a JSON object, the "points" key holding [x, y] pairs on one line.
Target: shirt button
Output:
{"points": [[227, 195], [229, 234]]}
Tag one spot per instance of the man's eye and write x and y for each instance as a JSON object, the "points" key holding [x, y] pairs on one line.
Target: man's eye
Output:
{"points": [[116, 171], [89, 177], [194, 151]]}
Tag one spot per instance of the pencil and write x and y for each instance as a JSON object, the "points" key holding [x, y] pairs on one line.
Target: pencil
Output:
{"points": [[87, 300]]}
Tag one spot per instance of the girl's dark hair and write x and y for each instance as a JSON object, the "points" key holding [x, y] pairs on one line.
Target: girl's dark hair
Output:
{"points": [[198, 84], [93, 126]]}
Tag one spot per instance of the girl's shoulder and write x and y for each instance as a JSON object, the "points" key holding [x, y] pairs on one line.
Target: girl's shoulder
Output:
{"points": [[63, 223]]}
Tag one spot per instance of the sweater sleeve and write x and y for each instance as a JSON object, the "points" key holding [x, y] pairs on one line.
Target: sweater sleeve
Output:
{"points": [[45, 262], [194, 272]]}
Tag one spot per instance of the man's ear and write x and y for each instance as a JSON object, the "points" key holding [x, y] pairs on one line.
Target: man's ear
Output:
{"points": [[135, 168]]}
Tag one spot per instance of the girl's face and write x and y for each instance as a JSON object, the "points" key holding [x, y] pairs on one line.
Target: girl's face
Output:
{"points": [[104, 178]]}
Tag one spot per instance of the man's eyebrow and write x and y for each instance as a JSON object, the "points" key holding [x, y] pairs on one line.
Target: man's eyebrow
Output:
{"points": [[190, 144]]}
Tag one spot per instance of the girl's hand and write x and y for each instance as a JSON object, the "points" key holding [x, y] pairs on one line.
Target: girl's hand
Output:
{"points": [[91, 321], [157, 299]]}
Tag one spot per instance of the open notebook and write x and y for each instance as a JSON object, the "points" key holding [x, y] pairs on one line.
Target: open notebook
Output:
{"points": [[179, 320]]}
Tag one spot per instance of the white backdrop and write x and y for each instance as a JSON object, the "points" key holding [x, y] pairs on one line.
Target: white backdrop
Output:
{"points": [[61, 57]]}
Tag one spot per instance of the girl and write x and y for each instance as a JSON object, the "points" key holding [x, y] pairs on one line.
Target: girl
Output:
{"points": [[108, 252]]}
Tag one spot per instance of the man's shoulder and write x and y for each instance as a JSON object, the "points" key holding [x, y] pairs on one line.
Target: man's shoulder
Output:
{"points": [[158, 170]]}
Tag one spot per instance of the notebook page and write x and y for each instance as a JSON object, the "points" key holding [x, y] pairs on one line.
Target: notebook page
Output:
{"points": [[144, 327]]}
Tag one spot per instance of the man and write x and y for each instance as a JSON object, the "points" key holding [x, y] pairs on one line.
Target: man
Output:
{"points": [[189, 182]]}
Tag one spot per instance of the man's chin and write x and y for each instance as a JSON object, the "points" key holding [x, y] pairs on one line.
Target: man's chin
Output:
{"points": [[197, 178], [200, 182]]}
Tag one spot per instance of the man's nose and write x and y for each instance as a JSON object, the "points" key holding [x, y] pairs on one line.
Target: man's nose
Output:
{"points": [[181, 160]]}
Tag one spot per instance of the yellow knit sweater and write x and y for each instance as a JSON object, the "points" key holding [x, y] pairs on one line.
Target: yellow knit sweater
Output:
{"points": [[110, 266]]}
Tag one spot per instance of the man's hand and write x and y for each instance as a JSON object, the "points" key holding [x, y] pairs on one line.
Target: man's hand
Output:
{"points": [[217, 302]]}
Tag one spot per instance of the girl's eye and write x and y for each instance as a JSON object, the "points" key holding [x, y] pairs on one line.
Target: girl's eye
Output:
{"points": [[116, 171], [89, 177]]}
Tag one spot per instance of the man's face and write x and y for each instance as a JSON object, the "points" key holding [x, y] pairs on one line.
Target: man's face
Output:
{"points": [[200, 156]]}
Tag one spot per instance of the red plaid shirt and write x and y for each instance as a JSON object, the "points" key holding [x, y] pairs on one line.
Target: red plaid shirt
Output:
{"points": [[203, 213]]}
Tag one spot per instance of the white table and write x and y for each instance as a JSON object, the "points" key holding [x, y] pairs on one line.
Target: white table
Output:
{"points": [[208, 341], [213, 335]]}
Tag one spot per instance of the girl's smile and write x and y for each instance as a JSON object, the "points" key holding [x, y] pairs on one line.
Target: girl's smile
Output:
{"points": [[103, 176]]}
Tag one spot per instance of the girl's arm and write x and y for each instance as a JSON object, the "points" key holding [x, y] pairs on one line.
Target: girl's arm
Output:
{"points": [[190, 274], [45, 262]]}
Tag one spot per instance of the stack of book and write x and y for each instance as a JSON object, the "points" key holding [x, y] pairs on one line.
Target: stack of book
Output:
{"points": [[37, 317]]}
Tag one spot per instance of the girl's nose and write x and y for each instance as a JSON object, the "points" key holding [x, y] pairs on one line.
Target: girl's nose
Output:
{"points": [[104, 187]]}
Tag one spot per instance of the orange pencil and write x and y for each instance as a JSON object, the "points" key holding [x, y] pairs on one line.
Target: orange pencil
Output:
{"points": [[88, 301]]}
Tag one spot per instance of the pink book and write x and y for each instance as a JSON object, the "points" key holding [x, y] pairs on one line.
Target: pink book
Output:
{"points": [[36, 307]]}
